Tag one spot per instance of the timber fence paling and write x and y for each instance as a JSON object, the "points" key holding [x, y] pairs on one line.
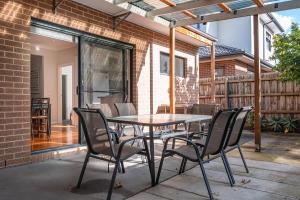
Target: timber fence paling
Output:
{"points": [[279, 98]]}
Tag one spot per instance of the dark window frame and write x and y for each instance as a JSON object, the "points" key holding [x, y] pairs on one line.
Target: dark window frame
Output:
{"points": [[176, 57], [268, 40]]}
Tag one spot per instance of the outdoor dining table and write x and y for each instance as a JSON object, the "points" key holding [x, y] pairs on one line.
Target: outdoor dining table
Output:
{"points": [[157, 120]]}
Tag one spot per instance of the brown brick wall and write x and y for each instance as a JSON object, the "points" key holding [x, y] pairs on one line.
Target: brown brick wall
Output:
{"points": [[15, 16]]}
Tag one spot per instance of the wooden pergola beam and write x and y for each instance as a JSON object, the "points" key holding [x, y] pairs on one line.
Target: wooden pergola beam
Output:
{"points": [[169, 3], [172, 70], [186, 12], [259, 3], [186, 6], [189, 14], [225, 7], [288, 5], [212, 73], [257, 84]]}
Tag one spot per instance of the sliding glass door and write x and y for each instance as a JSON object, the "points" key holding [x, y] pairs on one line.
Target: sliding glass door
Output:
{"points": [[104, 74]]}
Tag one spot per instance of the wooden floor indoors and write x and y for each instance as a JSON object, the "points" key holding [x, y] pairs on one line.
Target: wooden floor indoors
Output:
{"points": [[61, 135]]}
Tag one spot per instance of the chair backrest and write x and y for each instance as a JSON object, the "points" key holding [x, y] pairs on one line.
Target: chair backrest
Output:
{"points": [[125, 109], [217, 132], [237, 126], [205, 109], [95, 130], [105, 108]]}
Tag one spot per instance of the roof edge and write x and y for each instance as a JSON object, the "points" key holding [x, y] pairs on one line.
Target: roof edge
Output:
{"points": [[203, 34]]}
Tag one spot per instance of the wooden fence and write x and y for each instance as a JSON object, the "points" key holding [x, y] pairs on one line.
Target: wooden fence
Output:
{"points": [[278, 98]]}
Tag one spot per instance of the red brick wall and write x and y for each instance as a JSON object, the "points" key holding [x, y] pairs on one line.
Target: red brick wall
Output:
{"points": [[15, 141], [229, 68]]}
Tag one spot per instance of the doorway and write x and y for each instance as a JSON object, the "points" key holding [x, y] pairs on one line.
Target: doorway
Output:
{"points": [[65, 91], [77, 69], [54, 65]]}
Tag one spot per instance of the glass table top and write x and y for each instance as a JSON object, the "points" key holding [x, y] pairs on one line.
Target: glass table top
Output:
{"points": [[159, 119]]}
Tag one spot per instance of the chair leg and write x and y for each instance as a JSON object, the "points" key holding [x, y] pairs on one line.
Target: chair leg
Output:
{"points": [[206, 180], [86, 160], [181, 165], [243, 159], [184, 161], [148, 156], [228, 170], [113, 178], [122, 166], [173, 144], [160, 167]]}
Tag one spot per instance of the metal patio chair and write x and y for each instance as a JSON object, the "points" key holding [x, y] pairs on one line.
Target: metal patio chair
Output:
{"points": [[107, 111], [233, 140], [127, 109], [202, 109], [113, 129], [196, 152], [100, 143]]}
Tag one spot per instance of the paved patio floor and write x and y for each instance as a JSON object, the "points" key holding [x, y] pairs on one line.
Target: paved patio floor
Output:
{"points": [[55, 179]]}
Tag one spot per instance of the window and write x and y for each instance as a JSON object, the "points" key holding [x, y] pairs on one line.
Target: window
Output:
{"points": [[219, 71], [165, 65], [269, 41]]}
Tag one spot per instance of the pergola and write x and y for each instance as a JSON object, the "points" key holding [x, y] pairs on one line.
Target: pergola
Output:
{"points": [[178, 15]]}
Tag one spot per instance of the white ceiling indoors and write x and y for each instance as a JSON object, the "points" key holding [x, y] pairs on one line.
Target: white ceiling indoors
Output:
{"points": [[47, 43], [106, 7]]}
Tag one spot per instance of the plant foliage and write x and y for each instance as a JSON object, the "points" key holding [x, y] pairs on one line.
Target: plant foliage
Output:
{"points": [[287, 54], [289, 124], [275, 123]]}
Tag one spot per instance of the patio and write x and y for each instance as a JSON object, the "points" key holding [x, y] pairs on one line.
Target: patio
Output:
{"points": [[142, 43], [268, 179]]}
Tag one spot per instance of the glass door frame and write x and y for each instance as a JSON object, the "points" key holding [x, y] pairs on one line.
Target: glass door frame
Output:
{"points": [[127, 87], [35, 22]]}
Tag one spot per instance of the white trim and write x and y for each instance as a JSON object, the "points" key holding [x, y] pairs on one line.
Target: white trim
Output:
{"points": [[136, 10], [288, 5]]}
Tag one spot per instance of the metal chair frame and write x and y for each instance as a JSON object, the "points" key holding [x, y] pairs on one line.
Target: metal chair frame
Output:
{"points": [[118, 160], [236, 145], [200, 151]]}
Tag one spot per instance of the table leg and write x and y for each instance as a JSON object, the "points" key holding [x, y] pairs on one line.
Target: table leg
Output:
{"points": [[152, 162]]}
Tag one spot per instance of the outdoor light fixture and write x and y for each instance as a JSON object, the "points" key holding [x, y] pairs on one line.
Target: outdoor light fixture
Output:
{"points": [[37, 48]]}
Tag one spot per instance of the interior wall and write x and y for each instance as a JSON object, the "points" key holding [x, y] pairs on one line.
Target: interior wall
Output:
{"points": [[50, 79], [67, 71], [52, 61], [68, 57]]}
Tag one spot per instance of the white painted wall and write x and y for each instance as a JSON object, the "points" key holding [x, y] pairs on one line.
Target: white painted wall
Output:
{"points": [[235, 32], [161, 81], [67, 70], [68, 57], [238, 33], [143, 85]]}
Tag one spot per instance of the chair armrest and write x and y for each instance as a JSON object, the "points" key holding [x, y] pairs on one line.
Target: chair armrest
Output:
{"points": [[129, 140], [191, 136], [182, 139]]}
